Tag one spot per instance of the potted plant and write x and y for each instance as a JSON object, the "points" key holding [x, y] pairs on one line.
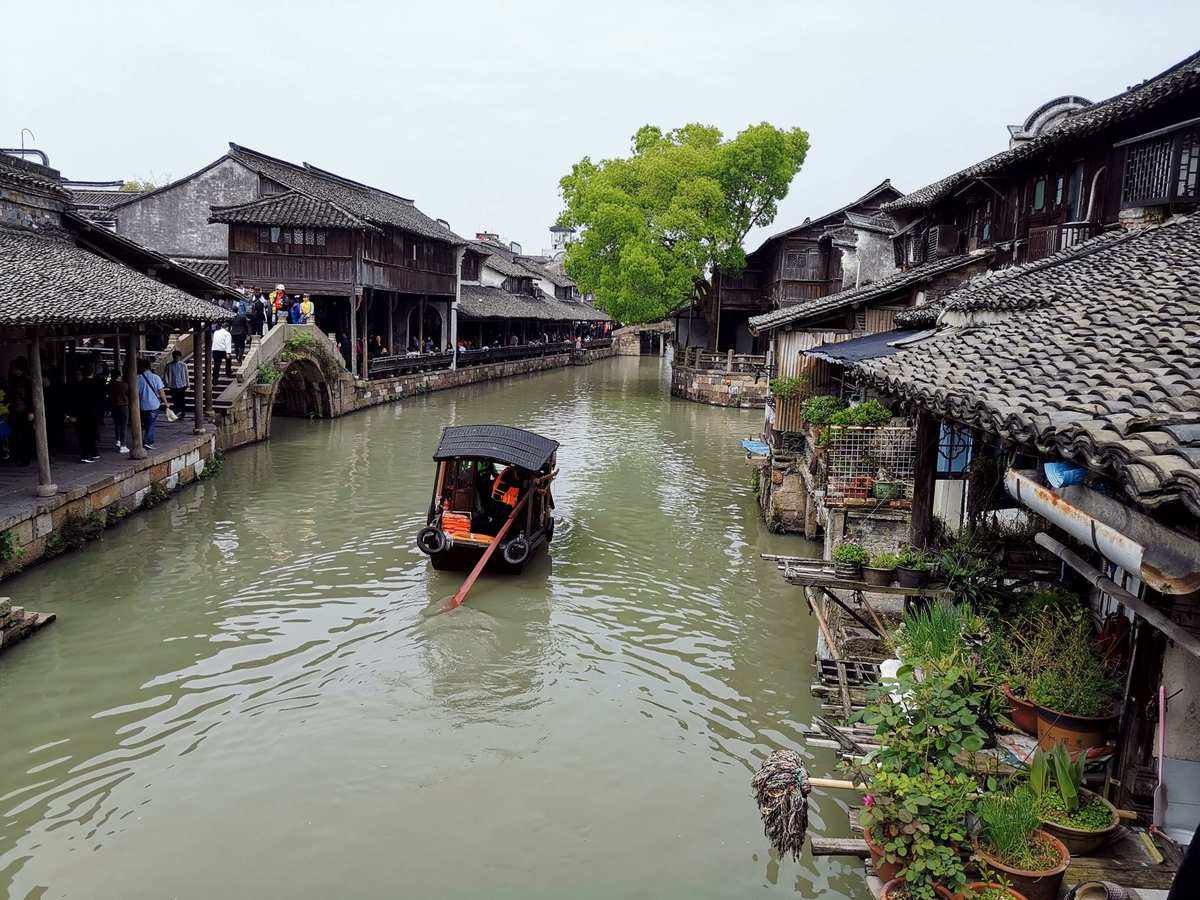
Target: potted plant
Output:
{"points": [[989, 890], [915, 829], [1075, 695], [1084, 821], [848, 559], [912, 567], [880, 569], [1012, 844]]}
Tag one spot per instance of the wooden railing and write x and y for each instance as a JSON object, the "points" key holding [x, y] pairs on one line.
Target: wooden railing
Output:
{"points": [[695, 358], [597, 343], [1052, 238], [391, 366]]}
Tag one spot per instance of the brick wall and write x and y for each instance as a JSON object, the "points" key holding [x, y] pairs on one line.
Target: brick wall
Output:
{"points": [[719, 388], [175, 221]]}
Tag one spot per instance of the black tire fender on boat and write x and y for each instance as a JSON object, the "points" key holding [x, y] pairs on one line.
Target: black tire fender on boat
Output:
{"points": [[516, 551], [432, 540]]}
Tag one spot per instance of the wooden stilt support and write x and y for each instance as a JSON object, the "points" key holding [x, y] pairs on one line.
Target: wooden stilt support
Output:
{"points": [[137, 449], [45, 486]]}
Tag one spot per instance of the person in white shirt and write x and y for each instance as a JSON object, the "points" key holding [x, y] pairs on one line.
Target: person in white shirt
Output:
{"points": [[222, 350]]}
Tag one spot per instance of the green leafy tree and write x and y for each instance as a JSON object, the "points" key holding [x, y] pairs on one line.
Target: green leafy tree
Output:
{"points": [[655, 223]]}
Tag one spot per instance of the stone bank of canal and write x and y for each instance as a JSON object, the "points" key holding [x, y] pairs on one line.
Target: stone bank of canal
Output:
{"points": [[245, 694]]}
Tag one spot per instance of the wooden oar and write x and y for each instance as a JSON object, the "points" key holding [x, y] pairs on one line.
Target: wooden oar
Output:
{"points": [[458, 598]]}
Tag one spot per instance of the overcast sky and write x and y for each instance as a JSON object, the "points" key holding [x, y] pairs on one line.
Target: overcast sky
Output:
{"points": [[475, 110]]}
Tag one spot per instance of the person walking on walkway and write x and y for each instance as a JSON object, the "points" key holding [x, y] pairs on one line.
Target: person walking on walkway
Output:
{"points": [[89, 409], [118, 399], [152, 397], [222, 349], [239, 329], [177, 381]]}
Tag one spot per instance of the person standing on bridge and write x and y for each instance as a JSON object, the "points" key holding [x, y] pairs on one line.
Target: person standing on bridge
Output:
{"points": [[307, 310], [176, 377], [222, 344]]}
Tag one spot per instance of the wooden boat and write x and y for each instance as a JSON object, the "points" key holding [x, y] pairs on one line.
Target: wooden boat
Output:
{"points": [[484, 473]]}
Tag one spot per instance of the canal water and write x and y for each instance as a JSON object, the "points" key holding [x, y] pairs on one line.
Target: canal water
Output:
{"points": [[246, 693]]}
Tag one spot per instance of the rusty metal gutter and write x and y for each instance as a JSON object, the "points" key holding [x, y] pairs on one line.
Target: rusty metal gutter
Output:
{"points": [[1165, 560]]}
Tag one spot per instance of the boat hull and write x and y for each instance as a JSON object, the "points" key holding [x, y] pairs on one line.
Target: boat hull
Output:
{"points": [[462, 557]]}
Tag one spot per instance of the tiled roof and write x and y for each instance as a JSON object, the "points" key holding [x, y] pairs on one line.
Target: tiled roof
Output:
{"points": [[884, 187], [876, 290], [1095, 357], [484, 302], [209, 267], [31, 176], [363, 201], [501, 260], [45, 280], [101, 199], [288, 208], [1180, 79], [880, 222], [990, 287], [554, 276]]}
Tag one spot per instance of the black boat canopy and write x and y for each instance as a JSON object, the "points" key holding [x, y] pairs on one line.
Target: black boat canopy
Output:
{"points": [[514, 446]]}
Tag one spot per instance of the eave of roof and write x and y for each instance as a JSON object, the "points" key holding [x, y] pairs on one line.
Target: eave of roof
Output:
{"points": [[1141, 98], [883, 187], [877, 290]]}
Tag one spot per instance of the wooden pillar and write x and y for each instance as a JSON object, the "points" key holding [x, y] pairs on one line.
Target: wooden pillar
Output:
{"points": [[421, 322], [367, 333], [391, 323], [208, 367], [924, 471], [197, 379], [137, 449], [458, 261], [41, 443], [353, 336]]}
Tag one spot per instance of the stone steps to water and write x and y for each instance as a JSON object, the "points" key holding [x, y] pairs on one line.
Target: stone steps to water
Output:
{"points": [[16, 623]]}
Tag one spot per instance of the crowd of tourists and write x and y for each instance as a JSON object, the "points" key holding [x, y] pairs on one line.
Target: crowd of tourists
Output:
{"points": [[80, 398]]}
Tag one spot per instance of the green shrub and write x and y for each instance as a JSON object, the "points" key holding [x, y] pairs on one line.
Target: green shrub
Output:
{"points": [[868, 414], [850, 553], [913, 558], [155, 495], [919, 821], [269, 373], [1009, 821], [883, 561], [938, 634], [818, 410], [8, 547], [213, 465], [787, 388], [938, 718]]}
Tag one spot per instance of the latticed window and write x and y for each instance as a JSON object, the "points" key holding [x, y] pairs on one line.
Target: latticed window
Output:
{"points": [[1162, 168]]}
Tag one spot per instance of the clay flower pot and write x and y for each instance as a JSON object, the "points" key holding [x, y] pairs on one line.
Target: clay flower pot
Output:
{"points": [[1022, 712], [878, 577], [982, 885], [1033, 885], [895, 889], [848, 571], [1075, 732], [913, 578], [1080, 841], [884, 871]]}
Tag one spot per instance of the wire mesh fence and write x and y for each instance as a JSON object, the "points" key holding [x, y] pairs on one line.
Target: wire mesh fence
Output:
{"points": [[869, 463]]}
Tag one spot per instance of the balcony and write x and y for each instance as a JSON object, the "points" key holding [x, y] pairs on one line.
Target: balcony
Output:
{"points": [[1052, 238]]}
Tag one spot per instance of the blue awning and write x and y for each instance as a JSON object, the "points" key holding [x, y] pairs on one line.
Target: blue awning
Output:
{"points": [[871, 346], [756, 448]]}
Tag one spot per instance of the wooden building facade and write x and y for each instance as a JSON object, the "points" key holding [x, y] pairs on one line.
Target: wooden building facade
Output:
{"points": [[370, 260], [792, 267]]}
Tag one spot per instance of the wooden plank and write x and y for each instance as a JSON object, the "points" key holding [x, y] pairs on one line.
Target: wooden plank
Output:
{"points": [[1126, 874], [823, 846]]}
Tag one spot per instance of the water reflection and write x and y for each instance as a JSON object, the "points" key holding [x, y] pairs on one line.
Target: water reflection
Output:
{"points": [[246, 686]]}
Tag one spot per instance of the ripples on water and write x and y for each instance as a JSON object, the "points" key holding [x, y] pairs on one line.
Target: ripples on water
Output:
{"points": [[247, 690]]}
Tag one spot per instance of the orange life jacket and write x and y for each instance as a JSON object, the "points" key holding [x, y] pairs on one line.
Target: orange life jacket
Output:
{"points": [[503, 492]]}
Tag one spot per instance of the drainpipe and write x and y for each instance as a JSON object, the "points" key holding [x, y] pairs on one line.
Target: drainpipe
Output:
{"points": [[1092, 192], [1165, 560]]}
